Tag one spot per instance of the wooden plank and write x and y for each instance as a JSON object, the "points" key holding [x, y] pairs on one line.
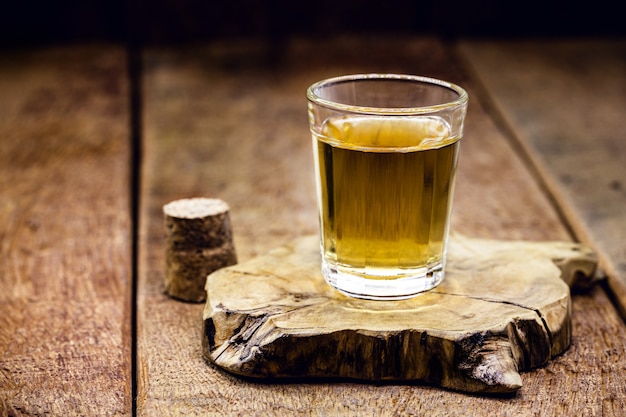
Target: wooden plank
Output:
{"points": [[65, 257], [564, 102], [228, 120]]}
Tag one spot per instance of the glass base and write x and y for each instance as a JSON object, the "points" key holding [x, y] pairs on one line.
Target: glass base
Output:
{"points": [[381, 286]]}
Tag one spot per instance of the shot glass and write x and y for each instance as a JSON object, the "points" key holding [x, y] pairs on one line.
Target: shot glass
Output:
{"points": [[385, 148]]}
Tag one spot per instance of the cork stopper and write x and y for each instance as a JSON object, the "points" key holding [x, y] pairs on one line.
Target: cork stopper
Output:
{"points": [[199, 241]]}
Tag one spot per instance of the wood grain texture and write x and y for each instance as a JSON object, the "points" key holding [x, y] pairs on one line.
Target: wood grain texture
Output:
{"points": [[565, 101], [503, 307], [65, 261], [228, 120]]}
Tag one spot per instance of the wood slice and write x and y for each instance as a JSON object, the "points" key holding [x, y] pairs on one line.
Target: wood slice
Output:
{"points": [[503, 307]]}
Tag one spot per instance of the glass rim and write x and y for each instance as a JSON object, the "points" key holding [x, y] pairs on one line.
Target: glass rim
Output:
{"points": [[458, 102]]}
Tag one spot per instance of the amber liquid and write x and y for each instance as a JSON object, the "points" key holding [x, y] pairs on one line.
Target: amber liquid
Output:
{"points": [[385, 186]]}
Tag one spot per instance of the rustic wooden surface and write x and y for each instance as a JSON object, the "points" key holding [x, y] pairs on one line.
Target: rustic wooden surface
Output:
{"points": [[569, 125], [228, 120], [65, 251], [504, 307], [209, 128]]}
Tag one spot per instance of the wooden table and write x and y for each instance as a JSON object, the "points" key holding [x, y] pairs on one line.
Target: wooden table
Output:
{"points": [[90, 152]]}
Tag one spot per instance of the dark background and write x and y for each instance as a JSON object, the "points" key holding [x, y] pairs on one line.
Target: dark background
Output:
{"points": [[25, 22]]}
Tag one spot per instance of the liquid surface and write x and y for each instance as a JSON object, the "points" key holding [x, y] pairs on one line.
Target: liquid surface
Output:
{"points": [[385, 186]]}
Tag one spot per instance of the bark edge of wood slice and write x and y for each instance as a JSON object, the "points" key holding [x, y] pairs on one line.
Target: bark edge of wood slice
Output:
{"points": [[504, 307]]}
